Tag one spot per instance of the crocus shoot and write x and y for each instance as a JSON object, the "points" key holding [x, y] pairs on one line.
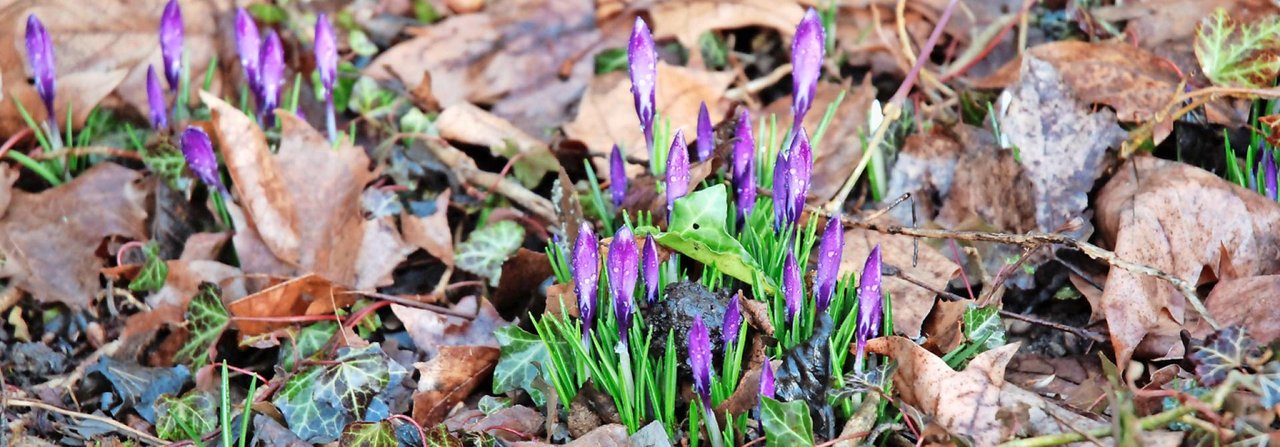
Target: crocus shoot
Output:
{"points": [[807, 52], [40, 56], [677, 171], [642, 64], [171, 31], [792, 286], [649, 267], [155, 98], [617, 177], [705, 144], [870, 306], [699, 341], [270, 78], [586, 277], [830, 249], [248, 43], [744, 167], [1269, 183], [197, 149], [623, 269], [326, 48]]}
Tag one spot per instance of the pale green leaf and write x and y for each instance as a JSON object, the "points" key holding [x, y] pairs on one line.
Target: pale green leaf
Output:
{"points": [[1235, 54], [523, 357], [191, 415], [369, 434], [786, 424], [488, 247], [697, 230], [206, 319], [983, 325]]}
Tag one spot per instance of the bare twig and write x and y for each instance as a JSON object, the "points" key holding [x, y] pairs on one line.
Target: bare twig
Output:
{"points": [[144, 437], [98, 150]]}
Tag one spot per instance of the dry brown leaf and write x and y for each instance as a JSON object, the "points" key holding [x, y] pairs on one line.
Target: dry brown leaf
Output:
{"points": [[1252, 302], [911, 303], [306, 295], [50, 240], [688, 20], [604, 117], [1136, 83], [449, 378], [519, 418], [469, 124], [185, 276], [522, 275], [1077, 381], [1061, 143], [926, 167], [944, 327], [431, 233], [1176, 218], [8, 175], [610, 435], [835, 157], [101, 52], [989, 185], [431, 331], [509, 56]]}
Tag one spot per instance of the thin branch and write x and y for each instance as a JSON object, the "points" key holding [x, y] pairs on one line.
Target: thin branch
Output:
{"points": [[144, 437]]}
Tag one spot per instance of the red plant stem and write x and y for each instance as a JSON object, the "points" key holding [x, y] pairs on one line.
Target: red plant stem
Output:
{"points": [[1026, 6], [355, 318], [910, 80], [125, 249], [245, 372], [501, 175], [289, 318], [13, 140], [422, 435], [956, 252], [513, 431]]}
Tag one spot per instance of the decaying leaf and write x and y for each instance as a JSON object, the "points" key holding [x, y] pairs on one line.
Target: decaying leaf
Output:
{"points": [[430, 330], [305, 295], [1237, 54], [1136, 83], [469, 124], [1252, 303], [431, 233], [688, 20], [450, 377]]}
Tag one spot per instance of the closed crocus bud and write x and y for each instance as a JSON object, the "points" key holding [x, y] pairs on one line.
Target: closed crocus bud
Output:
{"points": [[700, 360], [198, 151], [248, 43], [642, 63], [792, 286], [806, 64], [623, 265], [586, 276], [1270, 171], [744, 166], [270, 78], [171, 30], [617, 176], [732, 321], [40, 56], [782, 173], [649, 266], [767, 387], [830, 248], [326, 48], [155, 98], [801, 167], [870, 305], [677, 171], [706, 142]]}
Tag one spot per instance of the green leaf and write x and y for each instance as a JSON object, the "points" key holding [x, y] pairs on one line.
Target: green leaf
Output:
{"points": [[206, 319], [187, 417], [369, 434], [491, 404], [1236, 54], [610, 60], [488, 247], [786, 424], [982, 325], [319, 401], [697, 230], [154, 271], [523, 357], [308, 341]]}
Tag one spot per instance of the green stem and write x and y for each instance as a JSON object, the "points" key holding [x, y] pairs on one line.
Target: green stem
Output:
{"points": [[35, 166]]}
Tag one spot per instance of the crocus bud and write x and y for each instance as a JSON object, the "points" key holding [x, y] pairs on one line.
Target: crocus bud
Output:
{"points": [[40, 56], [171, 30], [248, 43], [732, 322], [744, 166], [642, 63], [782, 174], [706, 142], [870, 305], [807, 50], [617, 176], [270, 78], [801, 167], [623, 267], [586, 276], [830, 248], [326, 48], [677, 171], [1270, 171], [155, 98], [767, 388], [198, 151], [700, 360], [792, 287], [649, 265]]}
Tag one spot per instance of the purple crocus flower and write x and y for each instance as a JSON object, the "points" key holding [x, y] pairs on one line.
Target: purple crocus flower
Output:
{"points": [[744, 166], [706, 142], [198, 151], [792, 287], [586, 277], [40, 56], [782, 173], [807, 50], [700, 360], [270, 78], [767, 388], [791, 180], [326, 48], [622, 265], [1270, 172], [155, 98], [830, 248], [732, 322], [248, 44], [677, 171], [649, 266], [617, 176], [171, 30], [870, 305], [642, 63]]}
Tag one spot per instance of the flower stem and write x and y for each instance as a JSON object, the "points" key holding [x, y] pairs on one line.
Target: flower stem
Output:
{"points": [[713, 426], [35, 166], [330, 122]]}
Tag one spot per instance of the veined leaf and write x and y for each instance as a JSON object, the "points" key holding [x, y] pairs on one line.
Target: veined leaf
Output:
{"points": [[307, 341], [1227, 350], [154, 271], [369, 434], [982, 325], [1237, 54], [319, 401], [182, 418], [488, 247], [206, 319], [786, 424], [697, 230], [522, 359]]}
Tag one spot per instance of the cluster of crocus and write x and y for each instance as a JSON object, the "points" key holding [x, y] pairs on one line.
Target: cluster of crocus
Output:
{"points": [[263, 64], [642, 64], [791, 173], [40, 56], [677, 171], [326, 48], [622, 266], [197, 149], [870, 305], [586, 274]]}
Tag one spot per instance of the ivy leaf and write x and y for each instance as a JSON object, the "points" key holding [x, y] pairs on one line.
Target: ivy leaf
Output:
{"points": [[187, 417], [1269, 382], [522, 359], [319, 401], [307, 342], [369, 434], [697, 230], [982, 325], [488, 247], [1237, 54], [154, 271], [1227, 350], [206, 319], [786, 424]]}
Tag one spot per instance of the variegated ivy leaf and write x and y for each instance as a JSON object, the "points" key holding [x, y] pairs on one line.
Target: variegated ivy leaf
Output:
{"points": [[1229, 349], [982, 325], [488, 247], [206, 319], [369, 434], [1269, 384], [307, 341], [187, 417], [358, 386], [154, 271], [1234, 54], [522, 359], [786, 424]]}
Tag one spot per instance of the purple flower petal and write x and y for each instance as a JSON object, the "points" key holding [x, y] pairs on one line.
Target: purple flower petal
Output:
{"points": [[700, 359], [248, 43], [326, 48], [617, 176], [649, 263], [807, 52], [586, 276], [642, 63], [767, 388], [677, 171], [40, 56], [744, 166], [792, 287], [270, 78], [801, 167], [706, 142], [782, 173], [1270, 172], [171, 30], [732, 322], [870, 304], [830, 249], [155, 98], [197, 149], [623, 266]]}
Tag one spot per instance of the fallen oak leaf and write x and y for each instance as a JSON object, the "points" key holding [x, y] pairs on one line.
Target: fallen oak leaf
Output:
{"points": [[308, 295], [450, 377], [430, 331]]}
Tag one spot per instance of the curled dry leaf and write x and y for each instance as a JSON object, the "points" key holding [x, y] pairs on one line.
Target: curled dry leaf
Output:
{"points": [[469, 124], [102, 53], [50, 240], [431, 233], [305, 295], [926, 168], [430, 331], [610, 435], [1175, 218], [688, 20], [1136, 83], [911, 303], [449, 378]]}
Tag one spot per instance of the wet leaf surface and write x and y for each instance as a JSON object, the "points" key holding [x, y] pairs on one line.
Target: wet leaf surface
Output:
{"points": [[319, 401]]}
